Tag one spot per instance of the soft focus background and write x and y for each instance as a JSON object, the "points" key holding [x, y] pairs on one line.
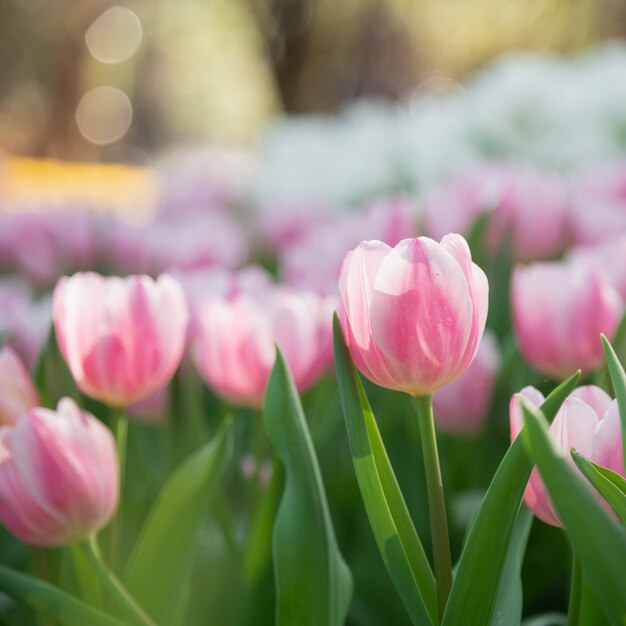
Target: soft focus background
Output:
{"points": [[200, 136], [93, 79]]}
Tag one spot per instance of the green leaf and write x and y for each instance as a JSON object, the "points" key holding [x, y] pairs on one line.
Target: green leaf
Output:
{"points": [[49, 600], [508, 609], [602, 378], [618, 378], [475, 588], [86, 581], [546, 619], [313, 583], [391, 524], [598, 542], [610, 485], [590, 611], [398, 508], [162, 557]]}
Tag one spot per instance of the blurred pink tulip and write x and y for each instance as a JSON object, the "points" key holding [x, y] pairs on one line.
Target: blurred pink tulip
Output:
{"points": [[234, 344], [17, 392], [314, 261], [589, 422], [599, 204], [188, 242], [413, 315], [533, 211], [206, 282], [531, 207], [287, 223], [24, 321], [43, 245], [58, 476], [597, 220], [454, 205], [461, 407], [604, 256], [122, 338], [559, 311]]}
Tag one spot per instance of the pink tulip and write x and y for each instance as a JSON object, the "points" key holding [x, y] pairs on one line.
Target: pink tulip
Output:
{"points": [[24, 321], [597, 220], [41, 245], [588, 421], [599, 207], [234, 347], [285, 224], [217, 281], [604, 256], [58, 476], [559, 311], [527, 206], [122, 338], [17, 393], [533, 212], [413, 315], [461, 407]]}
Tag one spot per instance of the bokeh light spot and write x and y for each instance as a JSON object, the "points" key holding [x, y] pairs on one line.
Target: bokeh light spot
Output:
{"points": [[104, 115], [115, 35]]}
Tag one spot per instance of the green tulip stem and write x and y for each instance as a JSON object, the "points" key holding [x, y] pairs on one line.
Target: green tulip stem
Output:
{"points": [[117, 592], [436, 502], [119, 426], [575, 594]]}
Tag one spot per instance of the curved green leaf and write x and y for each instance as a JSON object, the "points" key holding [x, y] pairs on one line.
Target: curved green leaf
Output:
{"points": [[313, 583], [45, 598], [546, 619], [475, 588], [391, 523], [618, 378], [161, 559], [610, 485], [508, 609], [398, 509], [598, 541]]}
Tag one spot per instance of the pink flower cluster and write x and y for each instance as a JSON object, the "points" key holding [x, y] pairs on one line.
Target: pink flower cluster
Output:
{"points": [[589, 422], [413, 310], [58, 469]]}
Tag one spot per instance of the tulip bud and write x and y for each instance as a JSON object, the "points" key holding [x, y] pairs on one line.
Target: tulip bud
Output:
{"points": [[559, 312], [122, 338], [587, 421], [413, 315], [461, 407], [234, 343], [58, 476], [17, 393]]}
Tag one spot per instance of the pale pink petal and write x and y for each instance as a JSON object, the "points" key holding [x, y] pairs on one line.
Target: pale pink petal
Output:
{"points": [[607, 449]]}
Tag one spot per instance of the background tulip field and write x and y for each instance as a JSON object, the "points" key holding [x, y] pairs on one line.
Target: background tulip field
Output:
{"points": [[312, 316]]}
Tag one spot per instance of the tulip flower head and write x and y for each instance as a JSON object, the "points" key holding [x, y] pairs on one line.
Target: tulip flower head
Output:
{"points": [[17, 393], [122, 338], [413, 315], [587, 421], [58, 476], [559, 312], [234, 345]]}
